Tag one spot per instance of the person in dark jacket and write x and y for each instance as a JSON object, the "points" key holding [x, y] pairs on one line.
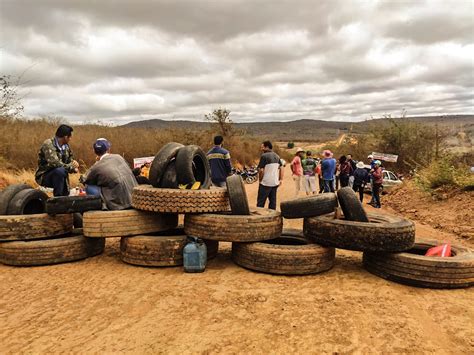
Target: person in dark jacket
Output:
{"points": [[219, 160], [56, 162], [345, 170], [361, 178], [110, 177]]}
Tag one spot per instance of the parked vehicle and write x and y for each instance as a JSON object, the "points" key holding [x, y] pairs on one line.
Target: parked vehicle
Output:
{"points": [[390, 180], [249, 175]]}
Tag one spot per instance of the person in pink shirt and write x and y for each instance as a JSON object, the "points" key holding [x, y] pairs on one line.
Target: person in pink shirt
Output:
{"points": [[297, 170]]}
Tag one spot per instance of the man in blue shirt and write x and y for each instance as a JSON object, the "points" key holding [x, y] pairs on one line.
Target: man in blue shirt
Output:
{"points": [[219, 160], [328, 167]]}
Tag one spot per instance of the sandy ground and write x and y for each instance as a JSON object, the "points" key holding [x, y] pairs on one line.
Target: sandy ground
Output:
{"points": [[104, 305]]}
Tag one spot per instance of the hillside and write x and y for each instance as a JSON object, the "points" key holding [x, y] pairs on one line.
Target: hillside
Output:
{"points": [[310, 130]]}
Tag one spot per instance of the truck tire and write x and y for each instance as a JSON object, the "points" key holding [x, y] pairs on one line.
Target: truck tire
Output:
{"points": [[34, 226], [311, 206], [161, 161], [49, 251], [382, 233], [125, 223], [261, 224], [154, 250], [414, 269], [239, 203], [147, 198], [28, 201], [169, 180], [192, 165], [289, 254], [351, 206], [8, 193], [73, 204]]}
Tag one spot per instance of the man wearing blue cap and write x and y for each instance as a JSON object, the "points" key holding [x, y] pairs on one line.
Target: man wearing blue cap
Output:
{"points": [[110, 177]]}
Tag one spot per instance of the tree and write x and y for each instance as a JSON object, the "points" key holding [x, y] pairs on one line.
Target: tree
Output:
{"points": [[10, 101], [222, 122]]}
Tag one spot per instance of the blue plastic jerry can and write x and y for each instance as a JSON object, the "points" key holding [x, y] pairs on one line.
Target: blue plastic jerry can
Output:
{"points": [[194, 255]]}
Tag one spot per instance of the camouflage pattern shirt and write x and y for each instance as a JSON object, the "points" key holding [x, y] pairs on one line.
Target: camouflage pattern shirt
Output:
{"points": [[51, 156]]}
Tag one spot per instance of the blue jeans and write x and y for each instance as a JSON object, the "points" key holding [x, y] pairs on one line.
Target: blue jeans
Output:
{"points": [[328, 185], [57, 179], [93, 190]]}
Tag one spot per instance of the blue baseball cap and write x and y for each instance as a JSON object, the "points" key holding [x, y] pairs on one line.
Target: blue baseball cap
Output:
{"points": [[101, 146]]}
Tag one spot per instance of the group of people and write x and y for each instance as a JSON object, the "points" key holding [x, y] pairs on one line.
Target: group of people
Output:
{"points": [[331, 173]]}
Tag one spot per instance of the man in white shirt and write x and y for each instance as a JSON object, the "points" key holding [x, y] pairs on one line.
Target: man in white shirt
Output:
{"points": [[270, 175]]}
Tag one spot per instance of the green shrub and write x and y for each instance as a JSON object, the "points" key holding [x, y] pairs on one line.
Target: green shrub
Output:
{"points": [[290, 145], [446, 172]]}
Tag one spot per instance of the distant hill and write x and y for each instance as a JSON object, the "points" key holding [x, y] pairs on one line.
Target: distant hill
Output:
{"points": [[308, 130]]}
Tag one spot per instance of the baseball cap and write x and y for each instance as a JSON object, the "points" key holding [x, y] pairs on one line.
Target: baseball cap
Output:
{"points": [[101, 146], [378, 162]]}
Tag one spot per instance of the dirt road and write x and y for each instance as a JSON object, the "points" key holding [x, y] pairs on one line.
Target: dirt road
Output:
{"points": [[104, 305]]}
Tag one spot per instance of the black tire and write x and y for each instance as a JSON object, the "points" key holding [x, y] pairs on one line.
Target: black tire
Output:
{"points": [[49, 251], [77, 218], [262, 224], [153, 250], [8, 193], [311, 206], [290, 254], [351, 206], [169, 180], [192, 165], [28, 201], [161, 161], [382, 233], [414, 269], [34, 226], [73, 204], [239, 203]]}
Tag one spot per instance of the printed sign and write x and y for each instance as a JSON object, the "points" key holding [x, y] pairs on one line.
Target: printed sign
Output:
{"points": [[138, 162], [392, 158]]}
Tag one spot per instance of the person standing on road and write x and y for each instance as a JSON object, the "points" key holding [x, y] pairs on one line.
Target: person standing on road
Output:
{"points": [[309, 171], [371, 160], [270, 175], [345, 170], [297, 170], [361, 178], [219, 161], [377, 181], [110, 177], [56, 162], [319, 172], [354, 167], [328, 168]]}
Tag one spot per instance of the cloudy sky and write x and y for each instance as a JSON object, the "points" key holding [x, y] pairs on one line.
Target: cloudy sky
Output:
{"points": [[265, 60]]}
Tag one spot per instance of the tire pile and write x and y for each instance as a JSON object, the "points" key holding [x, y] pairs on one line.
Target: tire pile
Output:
{"points": [[150, 236], [31, 237]]}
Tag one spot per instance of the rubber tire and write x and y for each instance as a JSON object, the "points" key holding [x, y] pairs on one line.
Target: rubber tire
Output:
{"points": [[147, 198], [34, 226], [28, 201], [73, 204], [49, 251], [161, 161], [187, 157], [424, 271], [159, 250], [262, 224], [382, 233], [77, 220], [271, 258], [310, 206], [169, 180], [351, 205], [8, 193], [239, 203], [125, 223]]}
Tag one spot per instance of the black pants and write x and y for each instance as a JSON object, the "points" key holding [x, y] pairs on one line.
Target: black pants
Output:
{"points": [[360, 188], [376, 190], [344, 180], [57, 179], [265, 192]]}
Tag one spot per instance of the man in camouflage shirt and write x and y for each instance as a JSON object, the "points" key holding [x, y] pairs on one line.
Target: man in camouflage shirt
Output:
{"points": [[56, 162]]}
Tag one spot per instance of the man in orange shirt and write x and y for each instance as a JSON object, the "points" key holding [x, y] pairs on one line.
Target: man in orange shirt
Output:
{"points": [[297, 170]]}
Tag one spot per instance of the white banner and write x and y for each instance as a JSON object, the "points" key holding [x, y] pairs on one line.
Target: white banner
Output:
{"points": [[392, 158], [138, 162]]}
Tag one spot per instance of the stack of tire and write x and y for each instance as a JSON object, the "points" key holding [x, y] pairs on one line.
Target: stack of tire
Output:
{"points": [[150, 235], [388, 245], [31, 237]]}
